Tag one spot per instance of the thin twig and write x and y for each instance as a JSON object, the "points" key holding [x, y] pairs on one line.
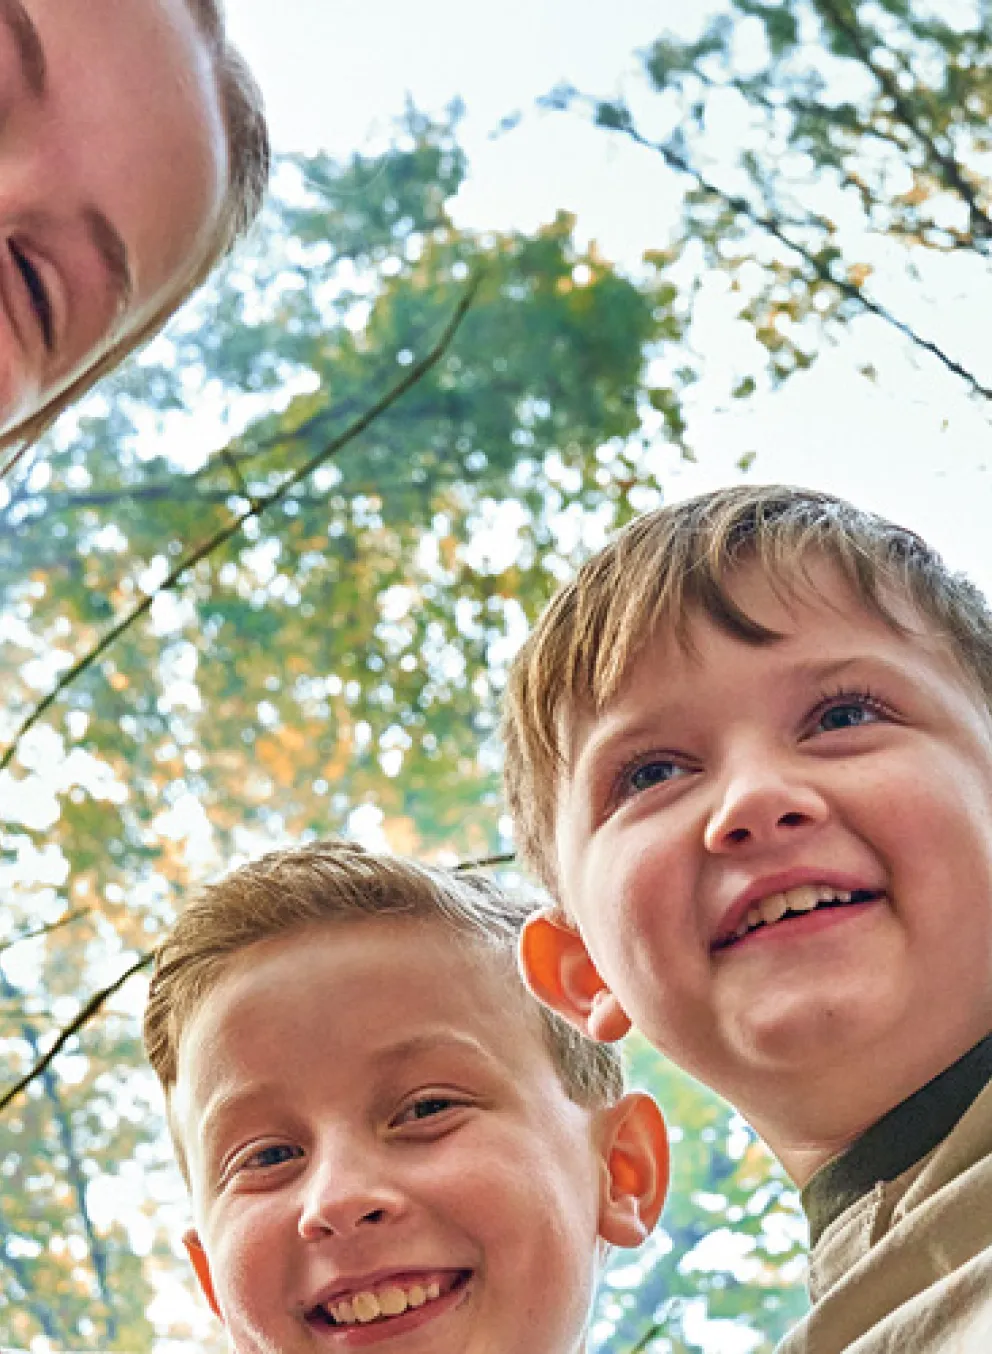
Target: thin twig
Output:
{"points": [[82, 1017], [486, 862], [255, 509], [45, 930], [777, 229]]}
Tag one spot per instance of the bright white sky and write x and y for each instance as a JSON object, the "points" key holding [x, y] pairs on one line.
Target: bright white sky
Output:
{"points": [[335, 72]]}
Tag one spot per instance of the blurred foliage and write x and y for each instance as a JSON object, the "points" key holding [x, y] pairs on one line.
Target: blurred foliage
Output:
{"points": [[729, 1251], [340, 662]]}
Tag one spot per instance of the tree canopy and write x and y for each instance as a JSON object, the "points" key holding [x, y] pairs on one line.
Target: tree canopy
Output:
{"points": [[332, 658]]}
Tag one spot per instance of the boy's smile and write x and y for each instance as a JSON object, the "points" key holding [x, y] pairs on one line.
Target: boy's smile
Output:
{"points": [[779, 857], [380, 1150]]}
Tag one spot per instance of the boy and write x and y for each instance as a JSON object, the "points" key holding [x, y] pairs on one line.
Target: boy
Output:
{"points": [[133, 152], [385, 1139], [749, 752]]}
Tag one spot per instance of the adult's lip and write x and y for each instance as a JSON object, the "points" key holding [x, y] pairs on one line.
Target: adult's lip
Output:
{"points": [[765, 886], [346, 1286]]}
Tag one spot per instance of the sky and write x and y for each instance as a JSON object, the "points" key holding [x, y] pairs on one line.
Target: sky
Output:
{"points": [[336, 72]]}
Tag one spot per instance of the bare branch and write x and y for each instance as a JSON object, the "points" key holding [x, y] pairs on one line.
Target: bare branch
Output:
{"points": [[81, 1018], [953, 173], [778, 229], [486, 862], [255, 509], [45, 930]]}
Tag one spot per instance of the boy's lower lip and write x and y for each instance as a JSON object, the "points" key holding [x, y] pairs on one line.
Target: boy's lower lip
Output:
{"points": [[358, 1336], [800, 925]]}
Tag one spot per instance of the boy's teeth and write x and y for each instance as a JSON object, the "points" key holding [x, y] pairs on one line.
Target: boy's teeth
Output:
{"points": [[389, 1301], [773, 908], [806, 897], [366, 1307], [803, 898]]}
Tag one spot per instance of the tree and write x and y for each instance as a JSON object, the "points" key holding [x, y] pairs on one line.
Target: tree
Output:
{"points": [[832, 157]]}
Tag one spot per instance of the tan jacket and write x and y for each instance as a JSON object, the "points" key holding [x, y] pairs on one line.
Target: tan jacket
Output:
{"points": [[907, 1269]]}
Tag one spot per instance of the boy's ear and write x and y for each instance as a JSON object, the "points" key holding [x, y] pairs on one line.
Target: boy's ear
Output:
{"points": [[557, 969], [635, 1178], [200, 1263]]}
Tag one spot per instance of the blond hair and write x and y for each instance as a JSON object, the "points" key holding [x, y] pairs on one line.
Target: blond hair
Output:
{"points": [[678, 562], [249, 156], [336, 881]]}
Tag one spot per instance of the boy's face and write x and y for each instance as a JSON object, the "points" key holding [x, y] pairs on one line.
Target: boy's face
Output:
{"points": [[112, 169], [370, 1112], [844, 759]]}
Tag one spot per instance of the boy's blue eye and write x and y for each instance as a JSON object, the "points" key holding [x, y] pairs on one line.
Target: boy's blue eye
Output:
{"points": [[650, 774], [848, 712], [276, 1155], [429, 1106]]}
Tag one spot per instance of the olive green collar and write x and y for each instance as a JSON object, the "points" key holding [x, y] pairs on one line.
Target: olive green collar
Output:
{"points": [[899, 1139]]}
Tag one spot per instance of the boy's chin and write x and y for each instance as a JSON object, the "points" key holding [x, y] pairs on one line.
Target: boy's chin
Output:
{"points": [[801, 1035]]}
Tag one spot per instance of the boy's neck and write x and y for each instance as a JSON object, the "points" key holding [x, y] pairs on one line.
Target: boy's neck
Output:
{"points": [[842, 1111], [910, 1121], [898, 1140]]}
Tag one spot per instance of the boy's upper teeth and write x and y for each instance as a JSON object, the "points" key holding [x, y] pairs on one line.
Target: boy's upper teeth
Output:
{"points": [[803, 898], [392, 1299]]}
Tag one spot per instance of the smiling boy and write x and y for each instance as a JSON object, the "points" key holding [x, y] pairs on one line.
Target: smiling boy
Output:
{"points": [[387, 1141], [749, 751], [133, 152]]}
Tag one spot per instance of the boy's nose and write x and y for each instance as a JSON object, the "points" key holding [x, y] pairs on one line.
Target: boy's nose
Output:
{"points": [[337, 1202], [762, 807]]}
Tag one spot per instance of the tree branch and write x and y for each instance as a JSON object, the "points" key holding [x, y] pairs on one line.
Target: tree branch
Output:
{"points": [[255, 509], [675, 160], [77, 1180], [45, 930], [952, 173], [81, 1018], [485, 862]]}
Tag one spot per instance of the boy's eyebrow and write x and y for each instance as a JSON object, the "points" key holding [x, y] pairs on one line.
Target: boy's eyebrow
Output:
{"points": [[226, 1101], [31, 54], [425, 1043]]}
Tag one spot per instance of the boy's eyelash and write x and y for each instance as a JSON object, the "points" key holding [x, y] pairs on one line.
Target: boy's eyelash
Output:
{"points": [[850, 696], [446, 1100], [620, 780]]}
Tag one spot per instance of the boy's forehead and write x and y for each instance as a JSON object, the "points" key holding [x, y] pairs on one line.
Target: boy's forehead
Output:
{"points": [[381, 991], [800, 594]]}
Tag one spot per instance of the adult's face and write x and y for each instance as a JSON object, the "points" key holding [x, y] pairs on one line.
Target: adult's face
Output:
{"points": [[112, 172]]}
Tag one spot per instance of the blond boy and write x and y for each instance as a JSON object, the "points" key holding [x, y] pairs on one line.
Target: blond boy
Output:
{"points": [[749, 752], [385, 1139], [133, 151]]}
